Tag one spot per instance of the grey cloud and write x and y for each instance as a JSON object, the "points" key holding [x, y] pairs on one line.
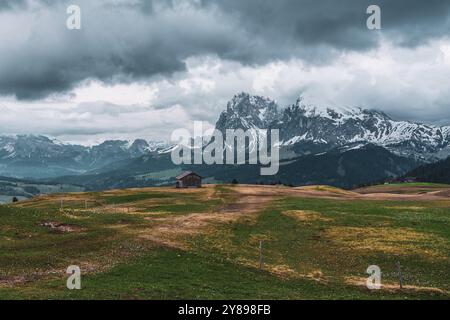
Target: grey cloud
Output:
{"points": [[113, 46], [125, 42], [342, 24], [11, 4], [24, 4], [108, 109]]}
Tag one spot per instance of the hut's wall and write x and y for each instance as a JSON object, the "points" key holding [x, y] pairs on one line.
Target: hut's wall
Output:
{"points": [[191, 181]]}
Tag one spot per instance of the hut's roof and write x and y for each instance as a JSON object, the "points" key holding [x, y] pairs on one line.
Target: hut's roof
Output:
{"points": [[185, 174]]}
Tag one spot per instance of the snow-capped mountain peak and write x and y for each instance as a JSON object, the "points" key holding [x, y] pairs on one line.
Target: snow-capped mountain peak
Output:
{"points": [[246, 111], [333, 126], [338, 113]]}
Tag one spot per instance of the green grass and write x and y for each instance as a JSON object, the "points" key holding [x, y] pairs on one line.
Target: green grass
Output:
{"points": [[26, 246], [305, 246], [106, 237], [303, 258], [172, 274]]}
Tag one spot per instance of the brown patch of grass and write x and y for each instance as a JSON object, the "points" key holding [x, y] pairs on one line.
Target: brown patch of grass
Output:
{"points": [[306, 216], [394, 287], [398, 241], [7, 282], [87, 267], [118, 209], [61, 227], [328, 189], [173, 230], [284, 271], [317, 275], [74, 216], [406, 208]]}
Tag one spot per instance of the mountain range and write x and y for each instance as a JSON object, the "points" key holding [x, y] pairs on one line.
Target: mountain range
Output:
{"points": [[340, 146], [30, 156], [326, 128]]}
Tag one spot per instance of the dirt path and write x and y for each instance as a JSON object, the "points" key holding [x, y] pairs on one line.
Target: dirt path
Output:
{"points": [[173, 231]]}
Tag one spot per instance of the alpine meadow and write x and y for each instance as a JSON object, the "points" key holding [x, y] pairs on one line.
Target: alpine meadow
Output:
{"points": [[224, 159]]}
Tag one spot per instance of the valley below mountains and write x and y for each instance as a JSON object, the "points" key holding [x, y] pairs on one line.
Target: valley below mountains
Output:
{"points": [[339, 146]]}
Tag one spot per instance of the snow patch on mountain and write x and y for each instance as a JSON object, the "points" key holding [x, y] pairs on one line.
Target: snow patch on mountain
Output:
{"points": [[335, 126]]}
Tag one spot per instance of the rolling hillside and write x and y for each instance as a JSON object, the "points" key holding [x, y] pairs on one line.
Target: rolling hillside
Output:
{"points": [[24, 189], [438, 172], [162, 243]]}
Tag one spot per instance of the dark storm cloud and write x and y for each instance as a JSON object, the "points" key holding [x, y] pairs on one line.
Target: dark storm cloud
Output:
{"points": [[128, 41], [10, 4], [342, 24], [23, 4]]}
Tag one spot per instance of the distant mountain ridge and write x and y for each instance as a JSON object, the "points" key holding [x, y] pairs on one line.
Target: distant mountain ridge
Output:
{"points": [[331, 127], [340, 146], [33, 156], [438, 172]]}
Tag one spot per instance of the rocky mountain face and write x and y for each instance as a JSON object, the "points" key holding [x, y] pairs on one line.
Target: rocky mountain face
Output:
{"points": [[325, 128], [247, 112], [40, 157], [344, 147]]}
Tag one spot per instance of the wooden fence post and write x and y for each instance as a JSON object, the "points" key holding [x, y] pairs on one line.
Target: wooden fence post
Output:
{"points": [[400, 275], [260, 254]]}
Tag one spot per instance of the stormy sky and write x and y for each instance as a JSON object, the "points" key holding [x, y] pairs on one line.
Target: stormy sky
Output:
{"points": [[141, 68]]}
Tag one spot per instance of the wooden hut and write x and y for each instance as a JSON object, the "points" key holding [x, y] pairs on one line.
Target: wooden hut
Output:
{"points": [[189, 179]]}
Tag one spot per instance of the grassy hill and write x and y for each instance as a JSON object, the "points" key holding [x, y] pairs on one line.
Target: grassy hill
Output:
{"points": [[162, 243], [406, 188], [438, 172], [24, 189]]}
